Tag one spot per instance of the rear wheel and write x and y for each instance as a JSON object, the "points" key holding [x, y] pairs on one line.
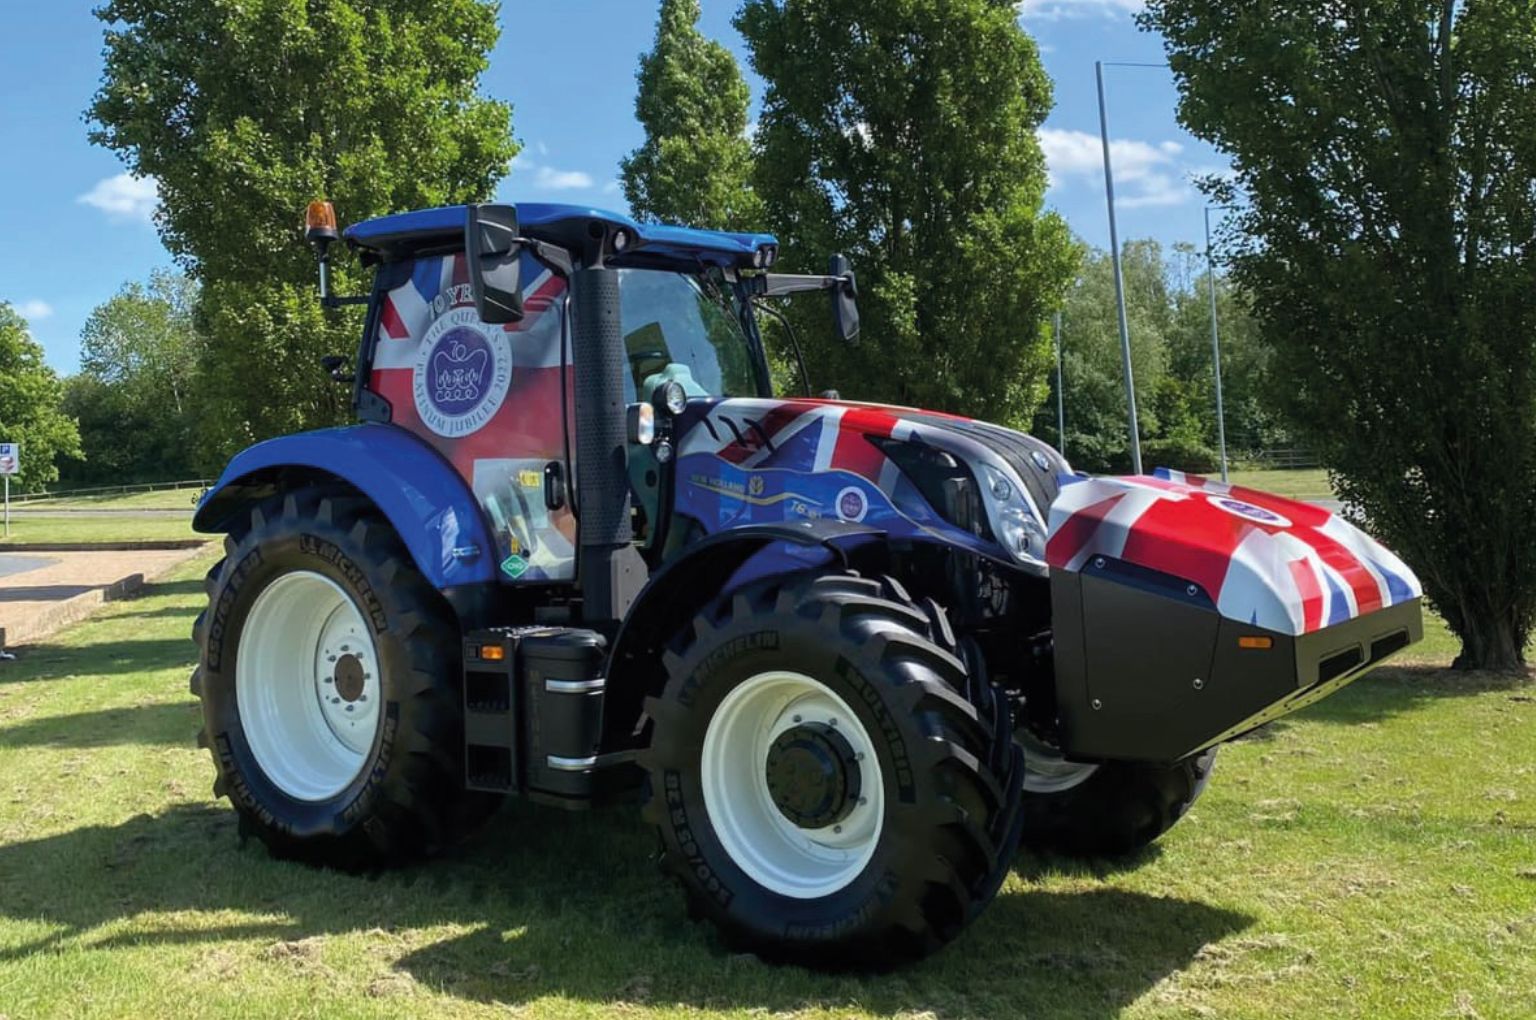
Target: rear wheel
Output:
{"points": [[329, 677], [824, 791]]}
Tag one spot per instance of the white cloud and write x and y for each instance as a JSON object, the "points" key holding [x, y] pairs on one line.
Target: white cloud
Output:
{"points": [[124, 197], [1146, 174], [34, 310], [560, 180], [548, 178], [1056, 10]]}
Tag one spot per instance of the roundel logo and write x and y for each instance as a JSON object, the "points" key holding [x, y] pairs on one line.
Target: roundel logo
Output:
{"points": [[1249, 512], [462, 372], [852, 504]]}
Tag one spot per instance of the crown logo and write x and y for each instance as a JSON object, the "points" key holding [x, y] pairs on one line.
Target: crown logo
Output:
{"points": [[458, 373]]}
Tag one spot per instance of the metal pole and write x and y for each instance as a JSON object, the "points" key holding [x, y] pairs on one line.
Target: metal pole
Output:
{"points": [[7, 506], [1114, 251], [1061, 403], [1221, 414]]}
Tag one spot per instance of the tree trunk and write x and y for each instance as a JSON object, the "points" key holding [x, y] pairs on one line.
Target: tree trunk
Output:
{"points": [[1495, 643]]}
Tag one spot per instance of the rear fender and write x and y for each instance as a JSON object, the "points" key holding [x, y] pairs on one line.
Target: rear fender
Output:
{"points": [[423, 497]]}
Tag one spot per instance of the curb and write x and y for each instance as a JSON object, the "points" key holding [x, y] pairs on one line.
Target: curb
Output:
{"points": [[72, 610], [130, 546]]}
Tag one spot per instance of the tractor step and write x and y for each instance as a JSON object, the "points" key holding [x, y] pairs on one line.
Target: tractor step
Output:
{"points": [[533, 712]]}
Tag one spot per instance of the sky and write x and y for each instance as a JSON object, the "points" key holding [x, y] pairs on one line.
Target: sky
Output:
{"points": [[75, 227]]}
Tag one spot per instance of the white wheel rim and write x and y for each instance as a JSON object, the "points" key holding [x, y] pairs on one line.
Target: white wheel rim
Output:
{"points": [[804, 863], [1045, 770], [307, 685]]}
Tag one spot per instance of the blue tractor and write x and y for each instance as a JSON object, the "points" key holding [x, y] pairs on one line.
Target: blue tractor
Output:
{"points": [[845, 656]]}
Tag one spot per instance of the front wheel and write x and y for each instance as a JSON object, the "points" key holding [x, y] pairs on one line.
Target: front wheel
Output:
{"points": [[824, 792], [330, 688], [1107, 809]]}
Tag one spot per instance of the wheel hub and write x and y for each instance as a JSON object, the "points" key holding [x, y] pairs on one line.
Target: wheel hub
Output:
{"points": [[813, 775], [349, 677]]}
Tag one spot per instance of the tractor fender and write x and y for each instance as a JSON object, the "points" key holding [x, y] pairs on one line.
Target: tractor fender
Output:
{"points": [[427, 502], [705, 570]]}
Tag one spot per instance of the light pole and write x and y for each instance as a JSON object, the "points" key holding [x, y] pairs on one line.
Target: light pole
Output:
{"points": [[1221, 414], [1114, 252], [1210, 272], [1061, 403]]}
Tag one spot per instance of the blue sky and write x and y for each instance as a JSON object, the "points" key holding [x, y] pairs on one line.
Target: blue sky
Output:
{"points": [[75, 227]]}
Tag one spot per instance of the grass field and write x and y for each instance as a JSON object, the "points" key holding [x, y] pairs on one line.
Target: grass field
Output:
{"points": [[98, 529], [158, 499], [1306, 483], [1372, 857]]}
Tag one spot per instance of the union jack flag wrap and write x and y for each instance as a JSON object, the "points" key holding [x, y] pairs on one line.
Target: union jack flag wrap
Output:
{"points": [[1277, 563]]}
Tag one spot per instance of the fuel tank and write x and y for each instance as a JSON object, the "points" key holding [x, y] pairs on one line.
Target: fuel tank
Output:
{"points": [[1187, 612]]}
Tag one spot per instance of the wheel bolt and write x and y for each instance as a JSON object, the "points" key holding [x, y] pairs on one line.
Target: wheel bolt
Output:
{"points": [[837, 828], [330, 658], [832, 721], [362, 697], [325, 679], [858, 756], [335, 701], [351, 707], [797, 718]]}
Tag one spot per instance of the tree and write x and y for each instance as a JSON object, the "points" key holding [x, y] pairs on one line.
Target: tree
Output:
{"points": [[245, 110], [903, 134], [1386, 149], [695, 165], [134, 394], [30, 393]]}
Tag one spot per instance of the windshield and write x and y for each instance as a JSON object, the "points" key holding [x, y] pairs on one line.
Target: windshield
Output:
{"points": [[673, 329]]}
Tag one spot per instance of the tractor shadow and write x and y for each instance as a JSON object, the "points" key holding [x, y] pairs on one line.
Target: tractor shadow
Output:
{"points": [[571, 906]]}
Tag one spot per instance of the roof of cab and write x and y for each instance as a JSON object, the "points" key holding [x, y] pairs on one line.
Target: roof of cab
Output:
{"points": [[660, 245]]}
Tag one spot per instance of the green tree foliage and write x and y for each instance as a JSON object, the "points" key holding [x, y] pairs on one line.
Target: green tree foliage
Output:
{"points": [[1168, 308], [695, 165], [134, 394], [1386, 149], [30, 395], [903, 133], [244, 111]]}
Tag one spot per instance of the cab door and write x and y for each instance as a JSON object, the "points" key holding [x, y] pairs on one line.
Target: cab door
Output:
{"points": [[494, 400]]}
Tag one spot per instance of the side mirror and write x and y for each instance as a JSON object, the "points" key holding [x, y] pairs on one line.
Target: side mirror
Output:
{"points": [[494, 258], [845, 299]]}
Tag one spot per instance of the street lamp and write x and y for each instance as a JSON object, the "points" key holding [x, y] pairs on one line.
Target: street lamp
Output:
{"points": [[1210, 272], [1114, 251]]}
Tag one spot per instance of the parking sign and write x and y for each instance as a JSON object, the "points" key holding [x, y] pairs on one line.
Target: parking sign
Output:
{"points": [[10, 459]]}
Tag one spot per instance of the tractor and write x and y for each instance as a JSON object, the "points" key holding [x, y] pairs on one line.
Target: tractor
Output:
{"points": [[846, 657]]}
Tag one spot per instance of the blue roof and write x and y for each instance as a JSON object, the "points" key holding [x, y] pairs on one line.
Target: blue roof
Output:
{"points": [[659, 242]]}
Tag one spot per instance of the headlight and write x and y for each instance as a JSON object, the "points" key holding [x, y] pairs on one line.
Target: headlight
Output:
{"points": [[1013, 522]]}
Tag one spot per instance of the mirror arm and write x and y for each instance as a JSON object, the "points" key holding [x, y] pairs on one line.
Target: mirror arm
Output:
{"points": [[780, 284]]}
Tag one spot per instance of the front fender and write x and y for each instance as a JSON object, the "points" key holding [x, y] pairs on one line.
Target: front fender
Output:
{"points": [[429, 505]]}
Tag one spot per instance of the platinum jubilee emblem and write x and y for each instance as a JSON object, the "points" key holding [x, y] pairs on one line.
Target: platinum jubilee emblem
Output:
{"points": [[462, 372]]}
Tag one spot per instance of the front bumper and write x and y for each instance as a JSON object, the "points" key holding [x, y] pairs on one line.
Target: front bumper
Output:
{"points": [[1147, 669]]}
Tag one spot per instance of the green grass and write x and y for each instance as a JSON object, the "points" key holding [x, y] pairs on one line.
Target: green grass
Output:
{"points": [[1373, 857], [1305, 483], [98, 529], [157, 499]]}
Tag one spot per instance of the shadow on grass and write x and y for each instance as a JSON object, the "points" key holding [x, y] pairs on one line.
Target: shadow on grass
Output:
{"points": [[173, 725], [569, 905], [108, 658]]}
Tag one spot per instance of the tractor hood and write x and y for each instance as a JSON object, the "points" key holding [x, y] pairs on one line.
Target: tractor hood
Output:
{"points": [[953, 479]]}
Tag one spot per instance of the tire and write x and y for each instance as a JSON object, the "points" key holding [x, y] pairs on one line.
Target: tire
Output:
{"points": [[1114, 809], [380, 786], [934, 827]]}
